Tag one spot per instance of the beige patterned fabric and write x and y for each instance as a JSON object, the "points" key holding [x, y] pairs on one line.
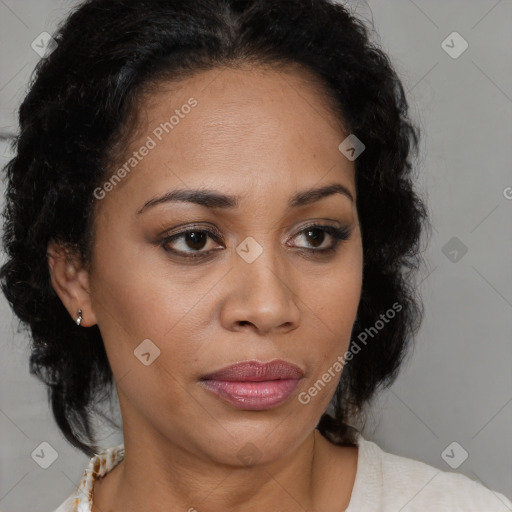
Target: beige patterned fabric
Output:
{"points": [[99, 466]]}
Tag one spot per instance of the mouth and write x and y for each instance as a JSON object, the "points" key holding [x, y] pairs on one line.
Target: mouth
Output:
{"points": [[253, 385]]}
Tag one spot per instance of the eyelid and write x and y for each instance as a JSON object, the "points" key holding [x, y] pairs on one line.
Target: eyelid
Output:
{"points": [[206, 226], [339, 234], [318, 223], [187, 226]]}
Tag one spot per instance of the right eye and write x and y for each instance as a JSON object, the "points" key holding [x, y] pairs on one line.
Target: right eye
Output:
{"points": [[192, 242]]}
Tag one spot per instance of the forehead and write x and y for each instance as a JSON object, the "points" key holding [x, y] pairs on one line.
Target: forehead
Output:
{"points": [[245, 129], [235, 102]]}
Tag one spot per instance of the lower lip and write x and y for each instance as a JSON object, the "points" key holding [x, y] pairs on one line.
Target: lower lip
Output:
{"points": [[255, 396]]}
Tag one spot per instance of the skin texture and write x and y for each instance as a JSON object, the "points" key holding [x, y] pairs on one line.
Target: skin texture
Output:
{"points": [[262, 134]]}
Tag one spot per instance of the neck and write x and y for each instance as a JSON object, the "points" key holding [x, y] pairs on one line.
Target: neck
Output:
{"points": [[159, 475]]}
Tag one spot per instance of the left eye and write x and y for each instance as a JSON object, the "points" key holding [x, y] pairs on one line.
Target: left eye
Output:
{"points": [[316, 235]]}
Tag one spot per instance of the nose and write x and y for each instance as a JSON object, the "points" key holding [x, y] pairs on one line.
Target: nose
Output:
{"points": [[261, 295]]}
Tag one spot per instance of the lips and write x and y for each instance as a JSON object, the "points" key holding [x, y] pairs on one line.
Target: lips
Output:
{"points": [[253, 385], [254, 371]]}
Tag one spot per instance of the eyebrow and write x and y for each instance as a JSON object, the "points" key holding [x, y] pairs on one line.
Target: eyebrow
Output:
{"points": [[212, 199]]}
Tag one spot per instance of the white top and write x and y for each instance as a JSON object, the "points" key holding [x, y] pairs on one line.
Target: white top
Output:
{"points": [[384, 483]]}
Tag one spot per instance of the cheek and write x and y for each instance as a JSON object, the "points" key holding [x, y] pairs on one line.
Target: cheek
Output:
{"points": [[132, 302], [335, 296], [147, 337], [333, 307], [334, 316], [145, 306]]}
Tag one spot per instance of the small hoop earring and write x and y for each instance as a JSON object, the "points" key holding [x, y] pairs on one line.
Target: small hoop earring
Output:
{"points": [[79, 317]]}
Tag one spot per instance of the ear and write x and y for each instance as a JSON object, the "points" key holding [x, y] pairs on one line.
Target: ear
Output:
{"points": [[71, 282]]}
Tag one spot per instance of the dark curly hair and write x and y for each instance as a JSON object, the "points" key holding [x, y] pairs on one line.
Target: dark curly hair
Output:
{"points": [[80, 102]]}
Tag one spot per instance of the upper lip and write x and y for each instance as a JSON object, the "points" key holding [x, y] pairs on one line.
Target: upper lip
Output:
{"points": [[256, 371]]}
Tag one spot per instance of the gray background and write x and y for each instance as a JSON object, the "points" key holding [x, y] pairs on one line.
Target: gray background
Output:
{"points": [[457, 383]]}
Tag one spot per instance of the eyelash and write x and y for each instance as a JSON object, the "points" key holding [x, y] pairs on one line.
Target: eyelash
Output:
{"points": [[338, 234]]}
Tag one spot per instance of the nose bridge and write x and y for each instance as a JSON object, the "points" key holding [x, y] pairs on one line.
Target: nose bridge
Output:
{"points": [[262, 262], [264, 294]]}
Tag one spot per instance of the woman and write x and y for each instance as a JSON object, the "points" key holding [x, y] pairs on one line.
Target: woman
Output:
{"points": [[209, 203]]}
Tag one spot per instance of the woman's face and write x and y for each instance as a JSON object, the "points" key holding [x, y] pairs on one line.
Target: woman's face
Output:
{"points": [[172, 311]]}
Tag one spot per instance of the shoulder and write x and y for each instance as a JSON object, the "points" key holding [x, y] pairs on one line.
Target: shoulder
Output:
{"points": [[392, 482]]}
